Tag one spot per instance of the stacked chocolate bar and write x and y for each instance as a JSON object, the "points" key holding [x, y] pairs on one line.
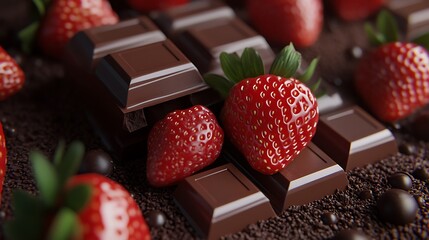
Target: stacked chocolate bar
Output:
{"points": [[140, 74]]}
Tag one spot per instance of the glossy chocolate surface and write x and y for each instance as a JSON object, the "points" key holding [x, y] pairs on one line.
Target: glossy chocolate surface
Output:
{"points": [[148, 75], [412, 15], [174, 20], [310, 176], [353, 138], [221, 201], [91, 44]]}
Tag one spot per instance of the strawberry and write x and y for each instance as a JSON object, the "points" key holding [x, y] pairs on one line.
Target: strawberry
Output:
{"points": [[270, 118], [88, 206], [66, 17], [352, 10], [12, 77], [182, 143], [111, 212], [284, 21], [3, 160], [151, 5], [393, 79]]}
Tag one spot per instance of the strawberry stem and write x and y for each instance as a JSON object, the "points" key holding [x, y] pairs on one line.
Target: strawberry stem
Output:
{"points": [[287, 62]]}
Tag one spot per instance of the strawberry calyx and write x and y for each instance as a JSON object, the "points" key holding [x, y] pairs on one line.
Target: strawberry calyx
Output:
{"points": [[28, 34], [52, 214], [250, 65], [386, 30]]}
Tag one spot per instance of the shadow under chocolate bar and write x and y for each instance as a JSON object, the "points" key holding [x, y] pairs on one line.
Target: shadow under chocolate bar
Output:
{"points": [[412, 16], [312, 175], [221, 201], [353, 138]]}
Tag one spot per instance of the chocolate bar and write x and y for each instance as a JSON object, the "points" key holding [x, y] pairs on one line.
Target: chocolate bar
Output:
{"points": [[221, 201], [312, 175], [148, 75], [176, 19], [353, 138], [412, 15], [91, 44]]}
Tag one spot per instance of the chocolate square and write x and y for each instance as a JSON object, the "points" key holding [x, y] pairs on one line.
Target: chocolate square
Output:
{"points": [[221, 201], [353, 138], [89, 45], [312, 175], [148, 75], [412, 15], [176, 19], [204, 43]]}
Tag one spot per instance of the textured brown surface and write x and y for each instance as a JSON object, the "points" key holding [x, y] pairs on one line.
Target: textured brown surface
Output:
{"points": [[46, 111]]}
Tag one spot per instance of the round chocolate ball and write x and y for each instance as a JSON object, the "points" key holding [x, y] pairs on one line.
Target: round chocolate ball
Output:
{"points": [[407, 149], [97, 161], [329, 218], [401, 181], [397, 206], [156, 218], [350, 234], [421, 174]]}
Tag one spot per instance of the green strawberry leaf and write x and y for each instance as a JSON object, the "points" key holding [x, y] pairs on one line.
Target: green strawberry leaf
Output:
{"points": [[70, 162], [316, 89], [27, 36], [231, 66], [64, 225], [46, 177], [422, 41], [374, 37], [28, 214], [78, 196], [252, 63], [219, 83], [387, 26], [286, 62], [59, 153], [309, 72], [41, 7]]}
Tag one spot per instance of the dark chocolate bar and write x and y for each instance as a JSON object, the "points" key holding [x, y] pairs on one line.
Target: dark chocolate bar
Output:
{"points": [[91, 44], [148, 75], [176, 19], [412, 15], [221, 201], [312, 175], [353, 138]]}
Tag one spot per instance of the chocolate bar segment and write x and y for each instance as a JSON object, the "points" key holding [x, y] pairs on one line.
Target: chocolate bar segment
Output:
{"points": [[91, 44], [148, 75], [204, 43], [353, 138], [412, 15], [174, 20], [221, 201], [312, 175]]}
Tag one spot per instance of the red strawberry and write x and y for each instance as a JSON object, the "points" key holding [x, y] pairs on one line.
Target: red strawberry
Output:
{"points": [[352, 10], [182, 143], [12, 77], [66, 17], [393, 79], [150, 5], [284, 21], [111, 212], [270, 118], [3, 160]]}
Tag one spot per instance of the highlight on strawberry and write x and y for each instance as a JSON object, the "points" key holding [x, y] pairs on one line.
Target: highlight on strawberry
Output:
{"points": [[87, 206], [182, 143], [270, 117], [393, 78], [12, 77]]}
